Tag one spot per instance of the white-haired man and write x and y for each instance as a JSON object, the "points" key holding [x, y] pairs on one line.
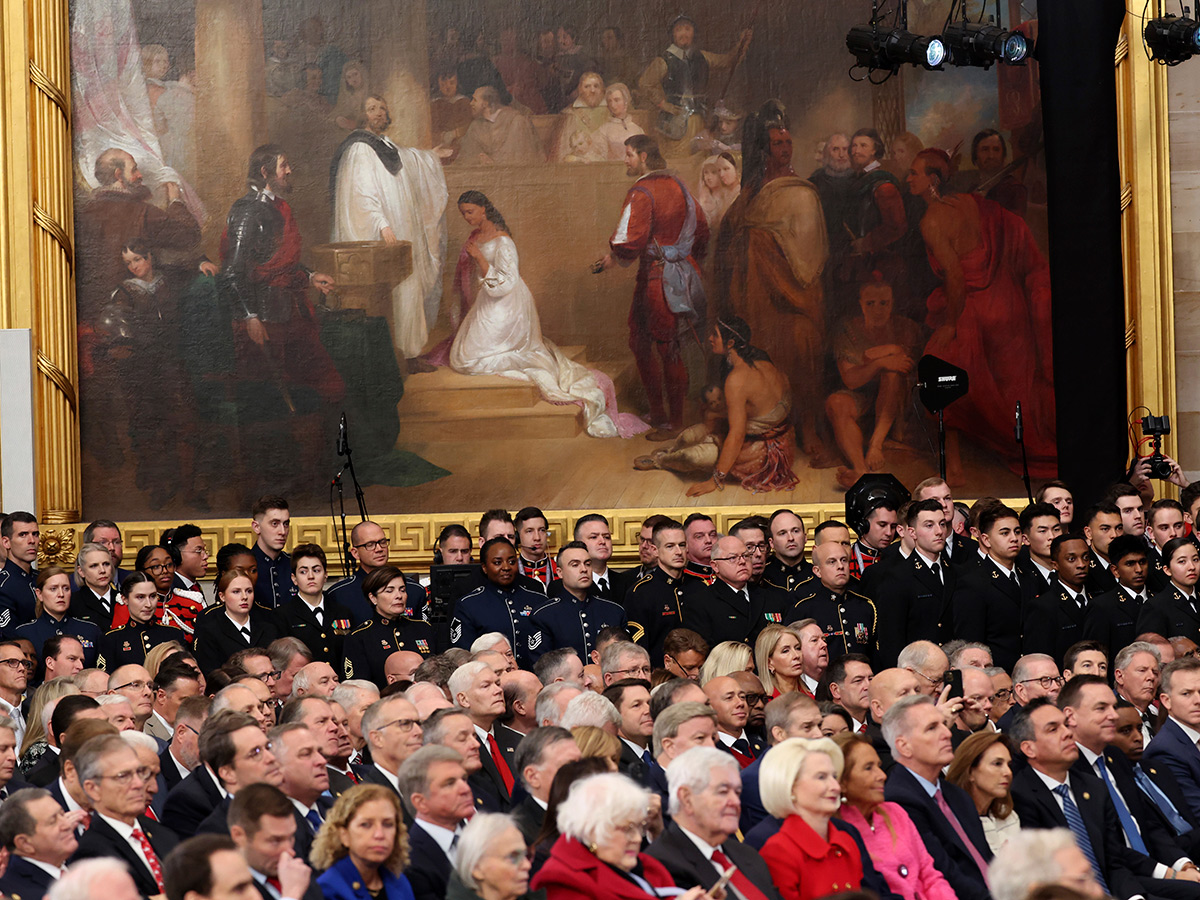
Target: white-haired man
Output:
{"points": [[1038, 858], [475, 689]]}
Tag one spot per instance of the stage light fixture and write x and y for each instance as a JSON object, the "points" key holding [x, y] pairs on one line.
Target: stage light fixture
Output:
{"points": [[888, 49], [1172, 39], [982, 44]]}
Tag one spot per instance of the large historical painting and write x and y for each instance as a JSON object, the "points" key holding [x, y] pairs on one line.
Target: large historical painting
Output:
{"points": [[612, 254]]}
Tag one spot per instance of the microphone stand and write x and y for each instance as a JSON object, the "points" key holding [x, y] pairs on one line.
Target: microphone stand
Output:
{"points": [[942, 442], [343, 449], [1019, 434]]}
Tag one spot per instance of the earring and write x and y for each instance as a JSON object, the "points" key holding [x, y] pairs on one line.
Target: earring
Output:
{"points": [[592, 848]]}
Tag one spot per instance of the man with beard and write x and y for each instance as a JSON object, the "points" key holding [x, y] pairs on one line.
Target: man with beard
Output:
{"points": [[383, 192], [834, 186], [771, 252], [876, 215], [278, 352]]}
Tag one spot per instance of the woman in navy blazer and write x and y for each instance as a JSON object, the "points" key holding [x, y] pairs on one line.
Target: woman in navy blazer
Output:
{"points": [[363, 847]]}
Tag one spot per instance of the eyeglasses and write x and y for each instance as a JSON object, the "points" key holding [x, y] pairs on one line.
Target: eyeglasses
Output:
{"points": [[17, 663], [941, 679], [644, 671], [755, 699], [755, 547], [136, 685], [1046, 681], [380, 544], [632, 831], [405, 725], [737, 557], [255, 752], [143, 773], [269, 676], [519, 856], [190, 728], [161, 567], [687, 670], [1004, 694]]}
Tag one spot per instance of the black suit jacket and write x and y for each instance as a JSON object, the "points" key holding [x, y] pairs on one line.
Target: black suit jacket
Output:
{"points": [[313, 892], [1053, 622], [43, 772], [717, 613], [191, 801], [988, 607], [1170, 614], [325, 639], [490, 793], [217, 639], [1112, 620], [950, 855], [428, 866], [689, 868], [529, 816], [1038, 808], [913, 605], [24, 880], [168, 770], [101, 839], [1100, 579], [507, 739]]}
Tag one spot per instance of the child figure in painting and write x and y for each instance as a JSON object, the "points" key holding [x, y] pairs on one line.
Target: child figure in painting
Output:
{"points": [[698, 446]]}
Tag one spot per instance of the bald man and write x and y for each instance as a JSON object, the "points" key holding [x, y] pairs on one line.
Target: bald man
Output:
{"points": [[846, 617], [401, 666], [732, 608], [887, 687]]}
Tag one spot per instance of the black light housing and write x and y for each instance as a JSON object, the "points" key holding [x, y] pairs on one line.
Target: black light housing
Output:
{"points": [[983, 44], [888, 49], [1172, 39]]}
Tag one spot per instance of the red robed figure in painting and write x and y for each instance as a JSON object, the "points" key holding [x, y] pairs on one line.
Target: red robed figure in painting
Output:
{"points": [[991, 317]]}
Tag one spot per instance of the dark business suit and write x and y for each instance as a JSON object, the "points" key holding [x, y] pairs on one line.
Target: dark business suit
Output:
{"points": [[369, 773], [950, 856], [24, 880], [1053, 622], [102, 840], [490, 792], [45, 770], [914, 604], [632, 764], [507, 739], [988, 607], [529, 816], [1172, 749], [428, 866], [168, 770], [689, 868], [1112, 619], [190, 802], [312, 892], [1126, 871]]}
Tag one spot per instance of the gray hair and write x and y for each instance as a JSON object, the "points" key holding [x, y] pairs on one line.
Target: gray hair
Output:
{"points": [[137, 739], [347, 693], [895, 720], [87, 760], [47, 713], [554, 664], [1026, 861], [531, 751], [282, 650], [464, 676], [413, 776], [545, 708], [917, 655], [8, 722], [590, 708], [670, 719], [482, 829], [1023, 665], [373, 713], [963, 647], [993, 671], [434, 727], [597, 804], [488, 641], [693, 769], [76, 882], [610, 659], [114, 699], [1125, 657]]}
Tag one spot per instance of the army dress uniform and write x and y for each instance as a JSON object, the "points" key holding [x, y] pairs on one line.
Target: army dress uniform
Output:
{"points": [[323, 635], [129, 644], [566, 622], [849, 620], [369, 645], [789, 578], [654, 606], [491, 607], [46, 626], [348, 593]]}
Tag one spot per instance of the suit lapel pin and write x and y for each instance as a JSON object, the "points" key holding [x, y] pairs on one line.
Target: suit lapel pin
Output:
{"points": [[1087, 796]]}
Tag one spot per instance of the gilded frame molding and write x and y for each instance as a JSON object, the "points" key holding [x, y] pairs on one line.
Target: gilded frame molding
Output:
{"points": [[37, 287]]}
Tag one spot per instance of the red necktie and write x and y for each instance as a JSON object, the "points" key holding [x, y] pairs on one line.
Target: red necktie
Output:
{"points": [[744, 886], [498, 759], [150, 814], [350, 774], [151, 856], [862, 729], [87, 820], [274, 882]]}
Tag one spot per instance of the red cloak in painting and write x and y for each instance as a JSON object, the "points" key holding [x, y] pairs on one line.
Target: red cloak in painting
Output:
{"points": [[1003, 341]]}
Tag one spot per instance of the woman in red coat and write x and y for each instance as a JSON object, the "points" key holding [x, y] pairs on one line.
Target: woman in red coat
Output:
{"points": [[808, 857], [598, 854]]}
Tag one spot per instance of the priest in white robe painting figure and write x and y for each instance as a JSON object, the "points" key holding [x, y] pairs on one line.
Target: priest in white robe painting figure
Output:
{"points": [[384, 192]]}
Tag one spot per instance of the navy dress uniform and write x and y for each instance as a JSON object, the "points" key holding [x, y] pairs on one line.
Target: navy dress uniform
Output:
{"points": [[369, 645], [989, 606], [1100, 579], [654, 606], [349, 593], [1171, 613], [789, 578], [491, 607], [567, 622], [46, 626], [87, 604], [17, 597], [849, 620], [323, 633], [217, 638], [914, 604], [129, 644], [1113, 617], [1054, 621], [274, 586]]}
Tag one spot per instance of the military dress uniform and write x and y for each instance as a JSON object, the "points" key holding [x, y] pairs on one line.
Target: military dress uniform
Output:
{"points": [[349, 593], [491, 607], [1113, 617], [1100, 579], [849, 620], [46, 626], [1171, 613], [789, 578], [989, 606], [274, 586], [1054, 621], [323, 635], [862, 558], [544, 571], [217, 638], [566, 622], [699, 571], [369, 645], [719, 613], [914, 604], [17, 597], [89, 606], [654, 606], [129, 644]]}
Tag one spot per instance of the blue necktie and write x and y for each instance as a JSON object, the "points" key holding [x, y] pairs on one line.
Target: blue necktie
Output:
{"points": [[1075, 823], [1161, 800], [314, 820], [647, 759], [1127, 824]]}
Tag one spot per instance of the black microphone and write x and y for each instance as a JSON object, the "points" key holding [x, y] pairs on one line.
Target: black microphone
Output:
{"points": [[341, 441], [1019, 429]]}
